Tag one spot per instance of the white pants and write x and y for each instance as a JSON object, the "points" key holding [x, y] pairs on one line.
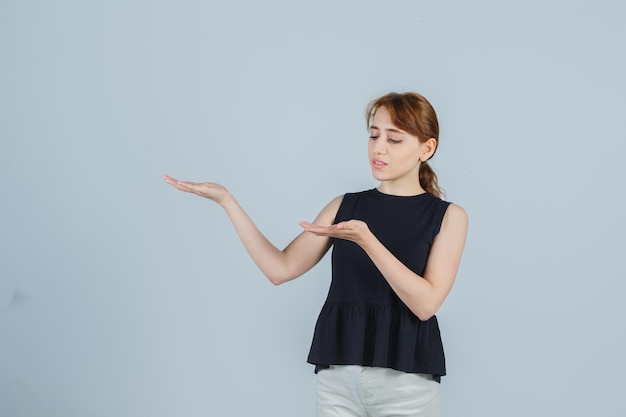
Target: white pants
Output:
{"points": [[359, 391]]}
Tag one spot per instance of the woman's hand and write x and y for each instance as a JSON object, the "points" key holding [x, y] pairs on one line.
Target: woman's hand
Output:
{"points": [[352, 230], [208, 190]]}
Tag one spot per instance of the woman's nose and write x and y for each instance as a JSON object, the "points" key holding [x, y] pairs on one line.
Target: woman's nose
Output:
{"points": [[379, 146]]}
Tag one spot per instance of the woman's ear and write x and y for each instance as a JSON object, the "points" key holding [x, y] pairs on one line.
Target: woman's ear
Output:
{"points": [[428, 149]]}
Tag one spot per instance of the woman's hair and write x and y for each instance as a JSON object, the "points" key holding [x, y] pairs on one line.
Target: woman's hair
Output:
{"points": [[412, 113]]}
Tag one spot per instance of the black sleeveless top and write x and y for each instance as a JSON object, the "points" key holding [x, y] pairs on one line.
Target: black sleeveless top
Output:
{"points": [[363, 322]]}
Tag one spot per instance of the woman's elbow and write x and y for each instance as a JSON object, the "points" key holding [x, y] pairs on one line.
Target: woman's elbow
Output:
{"points": [[425, 313], [275, 279], [425, 316], [282, 275], [279, 278]]}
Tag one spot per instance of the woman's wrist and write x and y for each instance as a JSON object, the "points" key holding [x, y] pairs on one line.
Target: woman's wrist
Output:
{"points": [[227, 201], [368, 240]]}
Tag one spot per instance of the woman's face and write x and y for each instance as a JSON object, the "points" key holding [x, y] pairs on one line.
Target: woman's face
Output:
{"points": [[395, 154]]}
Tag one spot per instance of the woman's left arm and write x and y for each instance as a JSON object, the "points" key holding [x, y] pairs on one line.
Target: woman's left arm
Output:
{"points": [[422, 294]]}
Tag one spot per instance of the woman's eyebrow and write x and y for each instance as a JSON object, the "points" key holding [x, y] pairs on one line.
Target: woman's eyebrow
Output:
{"points": [[388, 130]]}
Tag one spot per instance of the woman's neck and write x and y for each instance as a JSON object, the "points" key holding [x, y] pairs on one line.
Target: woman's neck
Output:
{"points": [[400, 189]]}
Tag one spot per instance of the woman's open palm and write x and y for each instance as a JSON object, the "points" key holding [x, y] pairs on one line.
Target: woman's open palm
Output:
{"points": [[208, 190]]}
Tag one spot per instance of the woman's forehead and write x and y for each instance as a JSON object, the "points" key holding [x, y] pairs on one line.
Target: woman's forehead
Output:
{"points": [[382, 121]]}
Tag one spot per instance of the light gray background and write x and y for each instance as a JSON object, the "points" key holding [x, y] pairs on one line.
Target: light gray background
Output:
{"points": [[120, 296]]}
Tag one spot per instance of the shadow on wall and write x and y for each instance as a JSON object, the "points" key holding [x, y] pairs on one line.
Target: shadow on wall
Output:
{"points": [[11, 296]]}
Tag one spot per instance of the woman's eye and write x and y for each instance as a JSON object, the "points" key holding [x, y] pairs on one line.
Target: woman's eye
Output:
{"points": [[373, 137], [394, 140]]}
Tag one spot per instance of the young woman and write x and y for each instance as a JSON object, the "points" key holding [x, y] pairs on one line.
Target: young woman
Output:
{"points": [[376, 348]]}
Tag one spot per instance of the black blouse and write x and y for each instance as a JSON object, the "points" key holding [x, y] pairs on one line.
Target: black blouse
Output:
{"points": [[363, 322]]}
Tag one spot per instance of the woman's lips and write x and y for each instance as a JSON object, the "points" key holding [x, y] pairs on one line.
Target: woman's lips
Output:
{"points": [[377, 163]]}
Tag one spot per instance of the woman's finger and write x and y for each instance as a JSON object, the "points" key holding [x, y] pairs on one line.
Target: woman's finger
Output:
{"points": [[170, 180], [181, 185]]}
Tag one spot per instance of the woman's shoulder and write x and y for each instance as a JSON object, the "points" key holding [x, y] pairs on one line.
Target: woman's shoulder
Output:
{"points": [[455, 216], [347, 199], [329, 212], [361, 192], [350, 195]]}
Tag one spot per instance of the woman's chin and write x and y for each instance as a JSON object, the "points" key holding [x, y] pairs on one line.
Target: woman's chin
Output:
{"points": [[379, 175]]}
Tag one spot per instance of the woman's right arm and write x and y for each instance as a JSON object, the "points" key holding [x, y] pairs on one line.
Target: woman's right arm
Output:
{"points": [[279, 266]]}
